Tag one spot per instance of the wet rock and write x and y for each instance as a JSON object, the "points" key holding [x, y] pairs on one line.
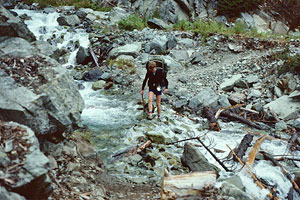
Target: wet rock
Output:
{"points": [[296, 123], [230, 190], [82, 56], [92, 75], [156, 137], [69, 20], [12, 26], [48, 49], [280, 126], [195, 160], [5, 195]]}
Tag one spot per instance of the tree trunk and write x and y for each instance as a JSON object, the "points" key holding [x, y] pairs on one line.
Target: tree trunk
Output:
{"points": [[195, 185], [243, 146], [213, 123]]}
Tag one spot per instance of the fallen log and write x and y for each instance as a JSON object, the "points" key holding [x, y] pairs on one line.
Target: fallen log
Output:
{"points": [[231, 115], [195, 185], [213, 123], [285, 172], [229, 108], [243, 146]]}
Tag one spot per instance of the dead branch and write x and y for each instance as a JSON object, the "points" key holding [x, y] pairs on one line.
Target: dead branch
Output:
{"points": [[229, 114], [276, 163], [181, 115], [229, 108], [213, 155], [250, 172], [94, 56], [213, 123], [138, 149], [243, 146], [194, 138], [249, 110]]}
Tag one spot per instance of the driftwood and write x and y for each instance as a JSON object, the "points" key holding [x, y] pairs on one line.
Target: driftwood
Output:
{"points": [[134, 150], [254, 151], [213, 123], [276, 163], [251, 174], [243, 146], [94, 56], [227, 113], [194, 138], [195, 185], [138, 149], [213, 155], [229, 108]]}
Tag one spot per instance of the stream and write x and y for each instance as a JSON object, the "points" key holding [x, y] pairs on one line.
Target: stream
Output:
{"points": [[117, 126]]}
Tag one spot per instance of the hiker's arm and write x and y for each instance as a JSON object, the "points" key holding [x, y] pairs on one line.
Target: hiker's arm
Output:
{"points": [[145, 81]]}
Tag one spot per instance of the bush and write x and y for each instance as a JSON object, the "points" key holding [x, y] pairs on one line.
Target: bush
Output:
{"points": [[132, 22], [233, 8], [291, 63]]}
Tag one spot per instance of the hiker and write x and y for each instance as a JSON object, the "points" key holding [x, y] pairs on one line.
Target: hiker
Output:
{"points": [[156, 79]]}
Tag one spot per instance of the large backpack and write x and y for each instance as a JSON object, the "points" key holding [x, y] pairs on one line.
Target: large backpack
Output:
{"points": [[160, 64]]}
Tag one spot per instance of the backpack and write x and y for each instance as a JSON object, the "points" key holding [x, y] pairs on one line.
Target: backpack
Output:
{"points": [[160, 65]]}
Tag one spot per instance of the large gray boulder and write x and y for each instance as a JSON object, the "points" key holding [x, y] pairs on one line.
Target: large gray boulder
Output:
{"points": [[285, 108], [47, 99], [12, 26], [195, 160], [206, 97], [30, 166], [11, 47], [128, 49]]}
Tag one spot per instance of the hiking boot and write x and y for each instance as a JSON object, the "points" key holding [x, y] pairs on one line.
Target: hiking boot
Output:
{"points": [[150, 116]]}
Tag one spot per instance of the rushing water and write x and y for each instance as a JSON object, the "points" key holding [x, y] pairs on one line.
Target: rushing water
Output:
{"points": [[114, 120]]}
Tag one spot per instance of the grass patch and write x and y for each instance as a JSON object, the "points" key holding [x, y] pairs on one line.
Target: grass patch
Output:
{"points": [[132, 22], [124, 64], [76, 3]]}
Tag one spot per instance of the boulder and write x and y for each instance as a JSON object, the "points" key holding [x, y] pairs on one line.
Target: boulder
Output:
{"points": [[11, 48], [82, 56], [157, 23], [31, 165], [195, 160], [206, 97], [48, 99], [12, 26], [158, 45], [70, 20], [5, 195], [284, 107], [128, 49], [47, 49], [228, 84]]}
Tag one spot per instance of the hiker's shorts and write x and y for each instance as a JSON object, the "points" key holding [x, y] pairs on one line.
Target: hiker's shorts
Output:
{"points": [[155, 91]]}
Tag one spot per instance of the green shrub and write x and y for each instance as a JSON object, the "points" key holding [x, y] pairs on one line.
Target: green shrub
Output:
{"points": [[132, 22], [291, 63], [233, 8], [239, 28], [183, 25], [123, 64]]}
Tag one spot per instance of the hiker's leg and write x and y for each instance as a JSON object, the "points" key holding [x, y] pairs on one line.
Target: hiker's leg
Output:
{"points": [[150, 99], [158, 104]]}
